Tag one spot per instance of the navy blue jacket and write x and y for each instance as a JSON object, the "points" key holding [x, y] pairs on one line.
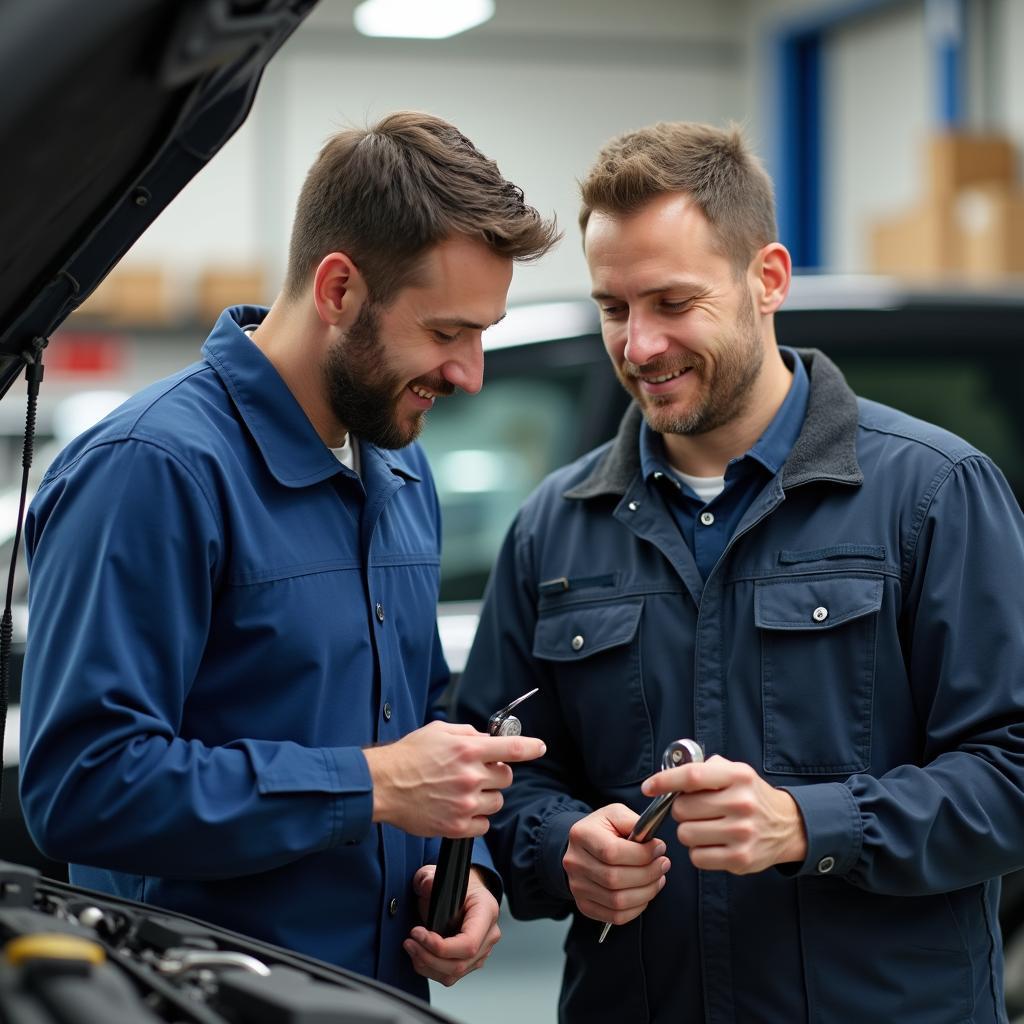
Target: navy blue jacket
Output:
{"points": [[860, 642], [221, 617]]}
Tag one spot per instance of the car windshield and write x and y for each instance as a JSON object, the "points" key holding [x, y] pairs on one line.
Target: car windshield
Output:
{"points": [[488, 452]]}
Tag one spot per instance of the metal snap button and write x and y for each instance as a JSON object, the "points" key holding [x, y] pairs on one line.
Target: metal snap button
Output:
{"points": [[393, 906], [633, 506], [380, 612], [819, 614], [387, 712], [707, 518], [577, 642], [825, 865]]}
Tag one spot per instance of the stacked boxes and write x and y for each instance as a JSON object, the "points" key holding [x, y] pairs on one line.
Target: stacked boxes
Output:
{"points": [[139, 296], [970, 221], [130, 296]]}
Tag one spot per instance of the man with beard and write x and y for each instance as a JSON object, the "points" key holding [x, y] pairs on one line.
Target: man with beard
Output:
{"points": [[815, 588], [233, 666]]}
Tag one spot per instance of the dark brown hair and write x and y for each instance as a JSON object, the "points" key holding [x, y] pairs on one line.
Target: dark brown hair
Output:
{"points": [[384, 195], [711, 165]]}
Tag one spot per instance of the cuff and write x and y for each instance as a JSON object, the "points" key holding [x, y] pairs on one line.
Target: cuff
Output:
{"points": [[833, 826], [552, 841], [353, 807]]}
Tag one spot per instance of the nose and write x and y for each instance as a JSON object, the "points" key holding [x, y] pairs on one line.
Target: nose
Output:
{"points": [[644, 340], [466, 371]]}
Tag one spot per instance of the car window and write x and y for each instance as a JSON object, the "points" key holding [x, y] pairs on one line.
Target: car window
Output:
{"points": [[974, 396], [488, 452]]}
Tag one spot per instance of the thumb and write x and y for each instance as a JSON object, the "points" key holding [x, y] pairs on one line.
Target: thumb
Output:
{"points": [[423, 880], [620, 818]]}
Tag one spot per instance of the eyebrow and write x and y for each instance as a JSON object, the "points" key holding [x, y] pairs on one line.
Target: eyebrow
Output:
{"points": [[454, 321], [691, 287]]}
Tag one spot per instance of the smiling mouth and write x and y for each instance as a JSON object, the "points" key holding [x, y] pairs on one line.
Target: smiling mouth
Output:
{"points": [[663, 378], [422, 392]]}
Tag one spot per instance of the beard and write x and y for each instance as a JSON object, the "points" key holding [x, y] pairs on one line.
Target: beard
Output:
{"points": [[364, 392], [724, 394]]}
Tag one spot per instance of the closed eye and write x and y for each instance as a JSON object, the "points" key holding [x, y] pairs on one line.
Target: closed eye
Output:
{"points": [[441, 336]]}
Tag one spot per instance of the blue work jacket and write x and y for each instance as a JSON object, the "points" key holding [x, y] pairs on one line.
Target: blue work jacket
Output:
{"points": [[221, 617], [859, 642]]}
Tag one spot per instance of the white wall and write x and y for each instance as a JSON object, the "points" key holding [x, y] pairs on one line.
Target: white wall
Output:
{"points": [[544, 84], [539, 91], [879, 102]]}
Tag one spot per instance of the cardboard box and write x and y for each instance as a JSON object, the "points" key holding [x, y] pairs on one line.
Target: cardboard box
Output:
{"points": [[990, 225], [923, 242], [957, 160], [220, 287], [130, 296]]}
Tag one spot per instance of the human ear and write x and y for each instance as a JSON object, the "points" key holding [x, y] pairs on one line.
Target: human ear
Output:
{"points": [[771, 270], [339, 290]]}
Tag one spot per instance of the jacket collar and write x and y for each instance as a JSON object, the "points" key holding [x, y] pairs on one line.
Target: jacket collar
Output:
{"points": [[826, 448], [292, 449]]}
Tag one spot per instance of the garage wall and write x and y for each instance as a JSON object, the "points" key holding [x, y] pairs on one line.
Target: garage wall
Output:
{"points": [[540, 102], [543, 85]]}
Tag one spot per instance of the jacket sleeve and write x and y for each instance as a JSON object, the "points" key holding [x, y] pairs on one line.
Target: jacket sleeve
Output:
{"points": [[125, 553], [528, 836], [955, 818]]}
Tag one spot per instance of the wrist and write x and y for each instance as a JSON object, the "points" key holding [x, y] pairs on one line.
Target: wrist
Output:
{"points": [[378, 760], [794, 846]]}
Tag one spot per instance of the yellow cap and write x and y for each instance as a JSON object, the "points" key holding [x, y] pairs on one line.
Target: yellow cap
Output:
{"points": [[53, 946]]}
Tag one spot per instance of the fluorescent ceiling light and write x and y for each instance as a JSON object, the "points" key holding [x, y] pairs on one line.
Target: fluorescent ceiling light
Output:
{"points": [[415, 19]]}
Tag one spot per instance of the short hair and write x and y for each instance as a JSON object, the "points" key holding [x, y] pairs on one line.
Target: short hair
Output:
{"points": [[713, 166], [386, 194]]}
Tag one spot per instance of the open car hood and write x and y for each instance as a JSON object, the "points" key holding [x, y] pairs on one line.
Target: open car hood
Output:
{"points": [[109, 111]]}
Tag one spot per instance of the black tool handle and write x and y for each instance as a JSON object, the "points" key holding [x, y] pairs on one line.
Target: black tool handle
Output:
{"points": [[451, 880]]}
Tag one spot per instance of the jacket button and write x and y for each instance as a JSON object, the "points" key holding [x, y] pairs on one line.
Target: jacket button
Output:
{"points": [[393, 906], [633, 506], [819, 614], [577, 642], [707, 518], [387, 712], [825, 865], [380, 612]]}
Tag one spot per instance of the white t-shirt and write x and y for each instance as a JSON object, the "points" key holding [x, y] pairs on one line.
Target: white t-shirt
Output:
{"points": [[707, 488], [348, 454]]}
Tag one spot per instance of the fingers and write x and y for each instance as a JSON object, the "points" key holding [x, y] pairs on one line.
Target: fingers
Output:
{"points": [[442, 968], [623, 900], [513, 748], [611, 878], [601, 836], [618, 907], [497, 776], [715, 773], [447, 960], [423, 880]]}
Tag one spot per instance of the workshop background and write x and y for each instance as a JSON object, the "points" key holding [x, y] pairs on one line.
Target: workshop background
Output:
{"points": [[892, 129]]}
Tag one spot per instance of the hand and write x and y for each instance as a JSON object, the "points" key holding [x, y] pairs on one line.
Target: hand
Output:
{"points": [[730, 818], [447, 960], [610, 877], [444, 780]]}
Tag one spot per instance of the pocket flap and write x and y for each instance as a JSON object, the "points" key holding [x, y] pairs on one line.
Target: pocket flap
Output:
{"points": [[574, 633], [815, 603]]}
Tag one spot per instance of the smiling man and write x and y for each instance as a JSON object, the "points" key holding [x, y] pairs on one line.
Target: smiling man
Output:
{"points": [[228, 704], [816, 588]]}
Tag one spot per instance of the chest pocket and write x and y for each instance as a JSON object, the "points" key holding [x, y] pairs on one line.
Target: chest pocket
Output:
{"points": [[595, 654], [817, 672]]}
